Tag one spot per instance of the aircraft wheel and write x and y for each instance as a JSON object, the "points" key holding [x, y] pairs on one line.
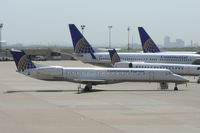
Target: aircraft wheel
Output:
{"points": [[87, 88], [163, 86], [175, 88]]}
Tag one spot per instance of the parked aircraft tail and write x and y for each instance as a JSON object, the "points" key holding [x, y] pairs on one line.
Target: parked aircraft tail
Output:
{"points": [[114, 56], [148, 44], [80, 44], [21, 60]]}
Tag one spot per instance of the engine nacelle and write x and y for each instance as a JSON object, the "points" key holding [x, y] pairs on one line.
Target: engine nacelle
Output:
{"points": [[50, 71], [198, 52], [123, 65], [196, 61]]}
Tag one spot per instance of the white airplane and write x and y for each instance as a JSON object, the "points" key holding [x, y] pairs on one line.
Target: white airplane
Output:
{"points": [[93, 76], [84, 52], [149, 46], [181, 69]]}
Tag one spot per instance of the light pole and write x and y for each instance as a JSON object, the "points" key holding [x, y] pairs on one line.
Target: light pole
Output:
{"points": [[1, 26], [110, 27], [132, 40], [82, 28], [128, 29]]}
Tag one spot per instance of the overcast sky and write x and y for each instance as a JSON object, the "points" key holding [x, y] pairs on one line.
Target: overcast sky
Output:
{"points": [[44, 21]]}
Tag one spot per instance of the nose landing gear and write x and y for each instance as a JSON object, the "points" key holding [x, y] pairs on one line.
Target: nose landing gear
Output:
{"points": [[175, 88]]}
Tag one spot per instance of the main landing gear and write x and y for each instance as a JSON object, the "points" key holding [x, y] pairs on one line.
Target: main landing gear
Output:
{"points": [[164, 86], [87, 88], [198, 81]]}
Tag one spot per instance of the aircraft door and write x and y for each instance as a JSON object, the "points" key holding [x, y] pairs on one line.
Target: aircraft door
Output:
{"points": [[130, 65]]}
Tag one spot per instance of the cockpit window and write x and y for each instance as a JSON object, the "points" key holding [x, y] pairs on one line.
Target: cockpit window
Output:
{"points": [[198, 68], [171, 72]]}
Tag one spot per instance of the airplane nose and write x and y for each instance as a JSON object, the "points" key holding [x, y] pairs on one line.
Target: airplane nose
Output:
{"points": [[181, 78]]}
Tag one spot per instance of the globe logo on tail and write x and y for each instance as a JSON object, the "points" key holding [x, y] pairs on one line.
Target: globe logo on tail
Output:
{"points": [[115, 58], [25, 63], [150, 46], [83, 47]]}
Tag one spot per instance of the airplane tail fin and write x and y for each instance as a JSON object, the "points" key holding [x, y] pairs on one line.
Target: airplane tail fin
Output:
{"points": [[21, 60], [148, 44], [93, 56], [80, 44], [114, 56]]}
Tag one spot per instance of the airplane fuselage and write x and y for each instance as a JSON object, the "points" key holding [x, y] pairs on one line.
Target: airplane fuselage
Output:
{"points": [[103, 58], [181, 69], [103, 75]]}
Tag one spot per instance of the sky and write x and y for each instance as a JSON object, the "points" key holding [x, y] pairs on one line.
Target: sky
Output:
{"points": [[46, 21]]}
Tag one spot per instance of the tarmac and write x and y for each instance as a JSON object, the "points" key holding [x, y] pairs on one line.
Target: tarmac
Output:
{"points": [[32, 106]]}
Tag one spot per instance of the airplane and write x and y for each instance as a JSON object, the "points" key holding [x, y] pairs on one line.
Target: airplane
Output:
{"points": [[92, 76], [181, 69], [84, 52], [149, 46]]}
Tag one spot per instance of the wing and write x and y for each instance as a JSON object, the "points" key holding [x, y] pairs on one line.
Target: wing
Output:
{"points": [[91, 81], [68, 54]]}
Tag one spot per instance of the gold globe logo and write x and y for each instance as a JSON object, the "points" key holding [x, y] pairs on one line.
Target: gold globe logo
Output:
{"points": [[25, 63], [150, 46], [83, 46], [115, 58]]}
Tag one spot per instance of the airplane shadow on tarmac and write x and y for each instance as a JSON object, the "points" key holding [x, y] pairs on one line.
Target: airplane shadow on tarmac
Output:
{"points": [[82, 91]]}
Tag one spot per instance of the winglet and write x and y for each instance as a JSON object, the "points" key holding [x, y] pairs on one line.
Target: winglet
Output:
{"points": [[114, 56], [80, 44], [21, 60], [148, 44]]}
